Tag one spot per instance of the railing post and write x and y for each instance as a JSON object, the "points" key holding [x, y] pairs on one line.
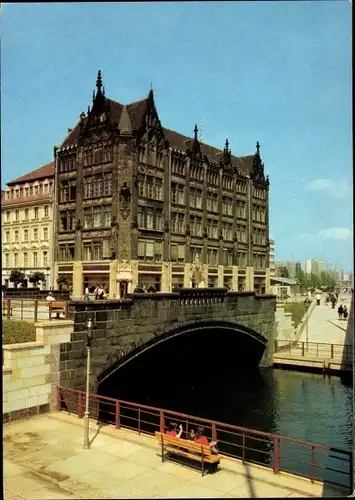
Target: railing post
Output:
{"points": [[80, 404], [317, 349], [21, 310], [36, 311], [139, 420], [289, 347], [276, 464], [50, 311], [332, 351], [8, 312], [243, 447], [275, 345], [59, 405], [162, 421], [214, 432], [117, 415], [302, 348], [313, 464]]}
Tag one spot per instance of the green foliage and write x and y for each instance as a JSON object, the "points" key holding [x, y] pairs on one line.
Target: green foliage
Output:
{"points": [[16, 277], [17, 332], [284, 272], [298, 310], [37, 277], [62, 280], [311, 281]]}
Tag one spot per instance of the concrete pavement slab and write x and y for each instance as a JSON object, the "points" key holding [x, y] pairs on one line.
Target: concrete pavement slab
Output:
{"points": [[33, 466]]}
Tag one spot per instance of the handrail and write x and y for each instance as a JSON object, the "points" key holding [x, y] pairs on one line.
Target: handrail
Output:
{"points": [[267, 449], [320, 349]]}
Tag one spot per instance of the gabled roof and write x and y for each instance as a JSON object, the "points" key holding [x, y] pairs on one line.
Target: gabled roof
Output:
{"points": [[44, 172], [176, 140]]}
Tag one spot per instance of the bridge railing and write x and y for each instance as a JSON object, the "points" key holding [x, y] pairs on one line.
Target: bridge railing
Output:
{"points": [[302, 458], [33, 310], [322, 350]]}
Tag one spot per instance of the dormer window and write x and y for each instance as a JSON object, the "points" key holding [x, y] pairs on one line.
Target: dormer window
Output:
{"points": [[35, 190], [8, 195], [26, 192], [45, 188], [18, 193]]}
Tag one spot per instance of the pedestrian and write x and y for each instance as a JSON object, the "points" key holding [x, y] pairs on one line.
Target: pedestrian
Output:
{"points": [[340, 311], [333, 301], [345, 312], [318, 299]]}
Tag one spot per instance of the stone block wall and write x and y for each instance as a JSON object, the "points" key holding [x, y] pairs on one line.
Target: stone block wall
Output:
{"points": [[284, 324], [31, 371], [123, 326]]}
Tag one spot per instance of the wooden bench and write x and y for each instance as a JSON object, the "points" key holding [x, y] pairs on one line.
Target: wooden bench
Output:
{"points": [[189, 449], [57, 307], [5, 303]]}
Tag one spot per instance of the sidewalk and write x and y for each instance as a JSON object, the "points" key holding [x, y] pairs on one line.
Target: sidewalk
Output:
{"points": [[44, 459], [324, 325]]}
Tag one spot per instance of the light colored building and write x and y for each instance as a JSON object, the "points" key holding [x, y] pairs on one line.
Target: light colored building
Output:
{"points": [[27, 229], [308, 266], [283, 288], [291, 266], [272, 257], [314, 266]]}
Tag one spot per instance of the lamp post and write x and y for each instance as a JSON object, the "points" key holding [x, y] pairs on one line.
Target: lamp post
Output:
{"points": [[89, 328], [47, 276], [306, 304]]}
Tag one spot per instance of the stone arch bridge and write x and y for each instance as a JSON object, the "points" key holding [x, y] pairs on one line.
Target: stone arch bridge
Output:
{"points": [[125, 328]]}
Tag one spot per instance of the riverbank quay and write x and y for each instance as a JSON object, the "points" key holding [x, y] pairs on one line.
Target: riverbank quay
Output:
{"points": [[44, 459]]}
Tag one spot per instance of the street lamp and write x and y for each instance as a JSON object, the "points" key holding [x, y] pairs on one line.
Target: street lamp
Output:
{"points": [[47, 276], [307, 304], [89, 328]]}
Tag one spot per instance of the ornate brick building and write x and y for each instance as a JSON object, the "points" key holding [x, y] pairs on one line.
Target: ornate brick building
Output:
{"points": [[139, 204]]}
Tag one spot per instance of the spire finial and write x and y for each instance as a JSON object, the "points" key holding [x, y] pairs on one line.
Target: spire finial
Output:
{"points": [[99, 81], [257, 147], [195, 132], [227, 145], [103, 90]]}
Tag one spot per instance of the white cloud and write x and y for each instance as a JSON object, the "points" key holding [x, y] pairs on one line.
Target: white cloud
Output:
{"points": [[330, 187], [336, 233]]}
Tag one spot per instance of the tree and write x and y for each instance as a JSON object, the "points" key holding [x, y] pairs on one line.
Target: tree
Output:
{"points": [[284, 272], [36, 277], [17, 277], [62, 280]]}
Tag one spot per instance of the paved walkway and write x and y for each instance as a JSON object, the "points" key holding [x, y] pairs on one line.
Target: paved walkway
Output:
{"points": [[324, 325], [44, 459]]}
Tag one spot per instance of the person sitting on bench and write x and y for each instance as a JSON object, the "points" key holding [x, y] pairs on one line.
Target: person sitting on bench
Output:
{"points": [[49, 299], [172, 431], [199, 438]]}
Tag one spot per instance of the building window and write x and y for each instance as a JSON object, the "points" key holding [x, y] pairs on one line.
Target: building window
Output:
{"points": [[36, 190], [7, 237], [18, 193], [36, 213], [25, 235], [150, 250], [67, 220], [46, 209], [45, 259], [228, 257], [242, 259], [66, 251], [25, 259], [16, 236], [87, 251], [212, 256], [45, 233], [150, 218], [26, 192], [98, 185], [177, 253], [16, 259], [46, 188], [7, 260], [212, 228], [7, 216], [97, 216], [17, 215], [178, 194], [196, 226], [26, 214], [35, 234], [195, 253]]}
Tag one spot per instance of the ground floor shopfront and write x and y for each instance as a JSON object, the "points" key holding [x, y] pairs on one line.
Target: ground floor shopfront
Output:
{"points": [[28, 272], [121, 277]]}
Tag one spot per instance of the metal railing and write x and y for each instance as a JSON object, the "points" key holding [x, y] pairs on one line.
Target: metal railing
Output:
{"points": [[30, 310], [343, 352], [279, 453]]}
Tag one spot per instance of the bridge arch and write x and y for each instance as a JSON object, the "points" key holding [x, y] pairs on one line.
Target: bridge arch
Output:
{"points": [[258, 340]]}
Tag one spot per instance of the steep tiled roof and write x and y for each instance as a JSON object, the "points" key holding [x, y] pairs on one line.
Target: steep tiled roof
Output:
{"points": [[40, 173], [176, 140], [27, 200]]}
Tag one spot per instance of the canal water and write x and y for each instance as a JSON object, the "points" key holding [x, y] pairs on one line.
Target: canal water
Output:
{"points": [[189, 377]]}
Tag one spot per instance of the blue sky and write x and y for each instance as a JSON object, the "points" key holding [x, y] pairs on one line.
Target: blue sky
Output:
{"points": [[277, 72]]}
